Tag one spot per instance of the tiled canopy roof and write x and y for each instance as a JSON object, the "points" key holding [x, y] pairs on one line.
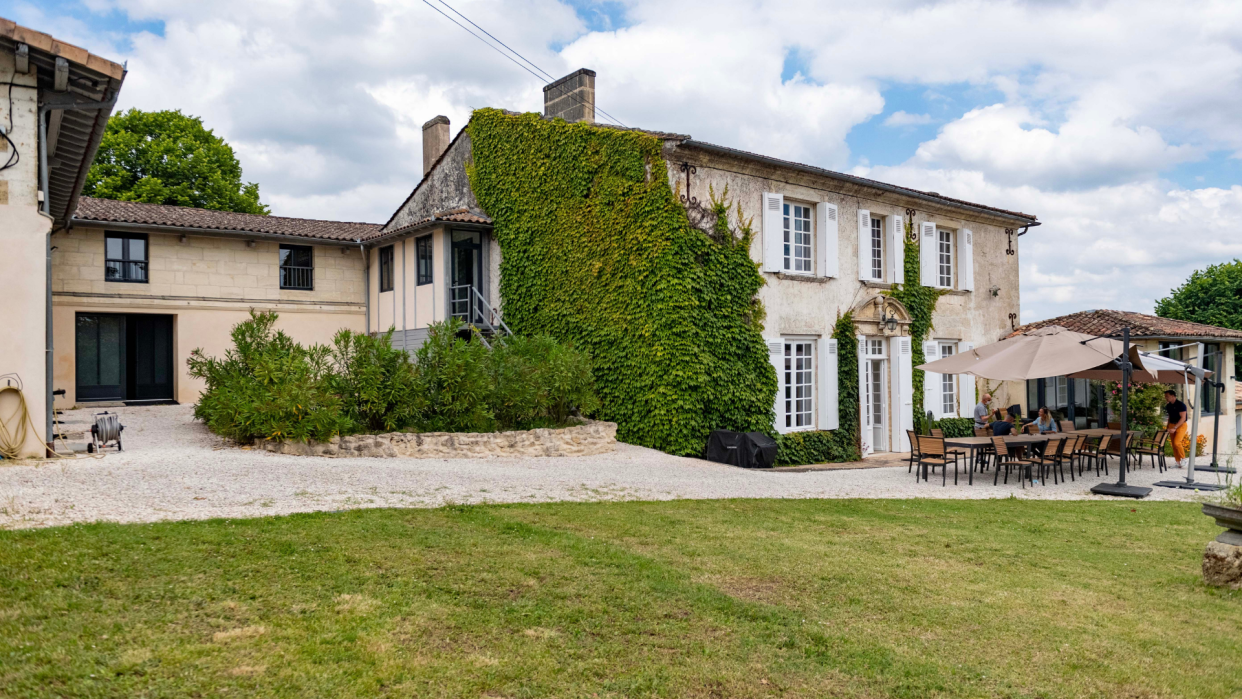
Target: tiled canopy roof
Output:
{"points": [[1106, 322], [164, 215]]}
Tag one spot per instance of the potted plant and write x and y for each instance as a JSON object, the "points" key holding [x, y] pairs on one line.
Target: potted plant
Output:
{"points": [[1227, 511]]}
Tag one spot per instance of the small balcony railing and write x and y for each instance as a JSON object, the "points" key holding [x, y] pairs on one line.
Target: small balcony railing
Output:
{"points": [[126, 271], [297, 278]]}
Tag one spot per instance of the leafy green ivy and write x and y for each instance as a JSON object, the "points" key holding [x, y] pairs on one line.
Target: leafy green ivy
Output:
{"points": [[920, 301], [841, 444], [596, 250]]}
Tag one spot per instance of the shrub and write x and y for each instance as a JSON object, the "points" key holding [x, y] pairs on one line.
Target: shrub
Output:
{"points": [[798, 448], [539, 382], [376, 382], [268, 386], [956, 426], [454, 379]]}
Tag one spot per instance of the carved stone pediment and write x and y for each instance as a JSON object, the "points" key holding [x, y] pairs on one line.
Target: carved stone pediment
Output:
{"points": [[873, 316]]}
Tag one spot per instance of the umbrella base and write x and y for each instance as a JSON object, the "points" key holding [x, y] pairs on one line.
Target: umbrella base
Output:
{"points": [[1119, 490], [1183, 485], [1216, 469]]}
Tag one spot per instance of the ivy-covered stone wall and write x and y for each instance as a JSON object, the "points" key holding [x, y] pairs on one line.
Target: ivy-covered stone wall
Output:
{"points": [[596, 250]]}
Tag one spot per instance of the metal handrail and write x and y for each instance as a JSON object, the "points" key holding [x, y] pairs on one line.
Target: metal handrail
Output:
{"points": [[475, 302]]}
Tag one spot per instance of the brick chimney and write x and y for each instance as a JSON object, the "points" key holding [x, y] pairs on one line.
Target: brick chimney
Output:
{"points": [[435, 141], [571, 98]]}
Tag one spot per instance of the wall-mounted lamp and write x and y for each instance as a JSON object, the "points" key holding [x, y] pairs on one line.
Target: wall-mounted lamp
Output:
{"points": [[890, 323], [249, 243], [995, 290], [183, 239]]}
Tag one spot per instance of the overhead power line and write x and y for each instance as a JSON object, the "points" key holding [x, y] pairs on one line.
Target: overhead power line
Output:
{"points": [[545, 75]]}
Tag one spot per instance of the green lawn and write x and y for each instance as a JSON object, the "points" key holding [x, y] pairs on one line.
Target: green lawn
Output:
{"points": [[679, 599]]}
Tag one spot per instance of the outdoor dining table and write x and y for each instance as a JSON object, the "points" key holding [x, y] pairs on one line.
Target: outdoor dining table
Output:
{"points": [[1016, 440]]}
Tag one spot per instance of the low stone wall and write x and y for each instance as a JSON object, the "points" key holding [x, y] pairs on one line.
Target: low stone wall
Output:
{"points": [[591, 437]]}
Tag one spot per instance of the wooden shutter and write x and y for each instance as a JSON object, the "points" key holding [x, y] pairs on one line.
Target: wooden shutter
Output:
{"points": [[864, 403], [931, 382], [829, 417], [828, 242], [965, 260], [928, 259], [864, 245], [773, 232], [965, 387], [896, 250], [776, 355], [903, 392]]}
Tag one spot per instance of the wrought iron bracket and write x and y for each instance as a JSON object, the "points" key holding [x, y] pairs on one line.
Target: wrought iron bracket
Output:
{"points": [[1010, 250], [689, 170], [913, 236], [1013, 321]]}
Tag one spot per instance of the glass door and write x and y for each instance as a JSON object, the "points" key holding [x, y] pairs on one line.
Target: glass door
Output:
{"points": [[150, 357], [466, 276], [100, 362]]}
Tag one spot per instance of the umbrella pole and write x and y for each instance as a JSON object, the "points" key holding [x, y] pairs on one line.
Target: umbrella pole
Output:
{"points": [[1219, 387], [1189, 483], [1120, 489]]}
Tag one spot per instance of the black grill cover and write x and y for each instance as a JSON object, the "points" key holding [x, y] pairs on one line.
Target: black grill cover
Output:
{"points": [[748, 450]]}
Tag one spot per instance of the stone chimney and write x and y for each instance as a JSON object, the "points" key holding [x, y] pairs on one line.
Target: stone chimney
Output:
{"points": [[435, 141], [571, 98]]}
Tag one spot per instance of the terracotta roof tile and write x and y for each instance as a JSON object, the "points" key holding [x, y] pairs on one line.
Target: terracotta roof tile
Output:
{"points": [[1106, 322], [112, 211]]}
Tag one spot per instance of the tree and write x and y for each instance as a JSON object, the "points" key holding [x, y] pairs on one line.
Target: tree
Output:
{"points": [[169, 158], [1212, 296]]}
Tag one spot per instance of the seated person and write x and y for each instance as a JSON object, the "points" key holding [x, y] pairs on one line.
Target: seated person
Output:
{"points": [[1046, 425], [1002, 426]]}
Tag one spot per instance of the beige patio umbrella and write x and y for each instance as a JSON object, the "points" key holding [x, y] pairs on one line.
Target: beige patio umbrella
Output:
{"points": [[1039, 353], [1148, 368]]}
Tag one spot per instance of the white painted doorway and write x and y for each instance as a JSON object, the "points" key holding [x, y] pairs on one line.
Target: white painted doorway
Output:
{"points": [[874, 393]]}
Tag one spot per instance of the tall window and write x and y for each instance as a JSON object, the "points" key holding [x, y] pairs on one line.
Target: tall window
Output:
{"points": [[945, 251], [877, 248], [948, 382], [798, 238], [799, 380], [297, 267], [125, 257], [385, 268], [423, 252], [1212, 362], [1171, 350]]}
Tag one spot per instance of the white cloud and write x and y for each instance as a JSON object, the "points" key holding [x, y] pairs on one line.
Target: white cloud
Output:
{"points": [[900, 118], [324, 102]]}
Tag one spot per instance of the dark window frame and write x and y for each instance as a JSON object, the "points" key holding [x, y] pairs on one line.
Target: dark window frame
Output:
{"points": [[299, 277], [386, 264], [424, 253], [125, 264]]}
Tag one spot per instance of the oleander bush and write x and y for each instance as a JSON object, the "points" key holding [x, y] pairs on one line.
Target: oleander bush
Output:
{"points": [[268, 386]]}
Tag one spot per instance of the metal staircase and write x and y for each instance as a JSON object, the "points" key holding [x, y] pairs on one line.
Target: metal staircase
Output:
{"points": [[480, 318]]}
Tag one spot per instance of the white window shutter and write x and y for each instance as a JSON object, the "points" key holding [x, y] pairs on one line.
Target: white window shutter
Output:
{"points": [[776, 355], [829, 243], [965, 388], [928, 259], [896, 250], [966, 260], [773, 232], [829, 418], [864, 402], [864, 245], [931, 382], [901, 375]]}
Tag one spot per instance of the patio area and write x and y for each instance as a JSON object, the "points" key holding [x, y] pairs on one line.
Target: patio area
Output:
{"points": [[174, 469]]}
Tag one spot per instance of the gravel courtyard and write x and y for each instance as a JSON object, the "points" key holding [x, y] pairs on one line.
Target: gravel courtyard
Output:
{"points": [[173, 468]]}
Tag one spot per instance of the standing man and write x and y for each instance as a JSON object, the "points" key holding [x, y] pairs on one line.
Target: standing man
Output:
{"points": [[1176, 410], [981, 411]]}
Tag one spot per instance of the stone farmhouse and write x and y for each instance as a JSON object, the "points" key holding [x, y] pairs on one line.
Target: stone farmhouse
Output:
{"points": [[105, 299]]}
